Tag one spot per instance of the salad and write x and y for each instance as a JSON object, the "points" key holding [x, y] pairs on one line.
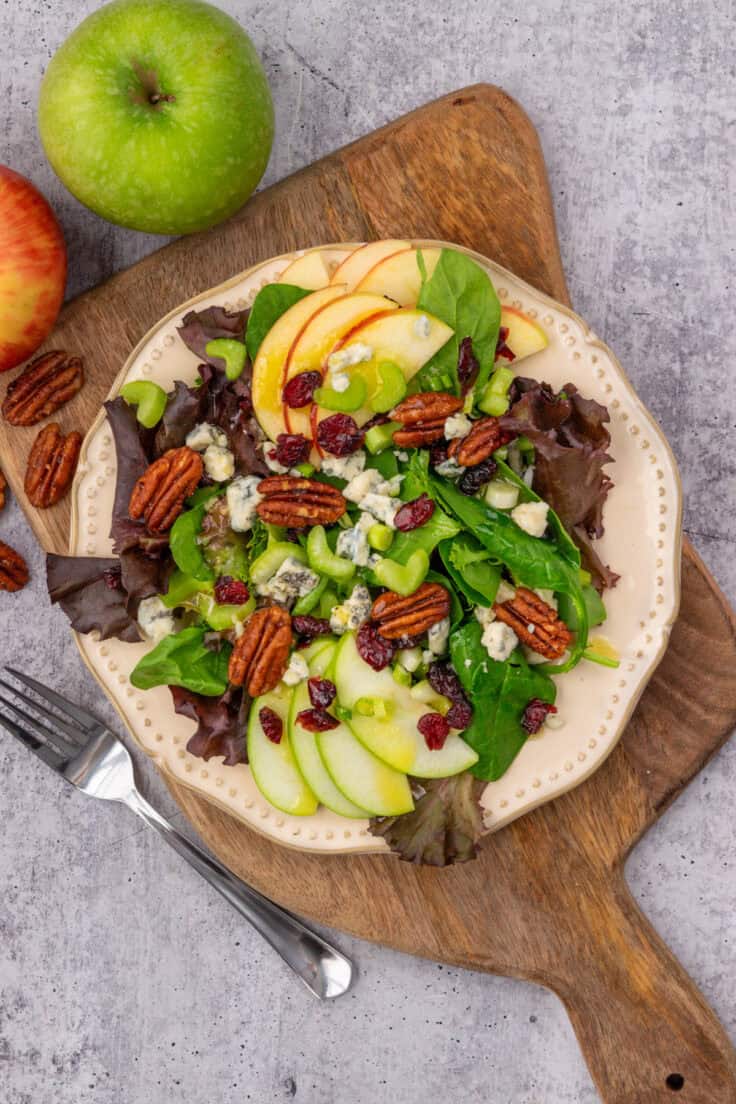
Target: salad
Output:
{"points": [[361, 544]]}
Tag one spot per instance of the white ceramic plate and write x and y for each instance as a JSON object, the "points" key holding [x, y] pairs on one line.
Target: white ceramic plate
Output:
{"points": [[642, 543]]}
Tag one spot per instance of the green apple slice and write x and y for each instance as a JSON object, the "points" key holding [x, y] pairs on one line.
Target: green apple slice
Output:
{"points": [[398, 275], [311, 764], [273, 766], [394, 738], [272, 354], [361, 777], [362, 260]]}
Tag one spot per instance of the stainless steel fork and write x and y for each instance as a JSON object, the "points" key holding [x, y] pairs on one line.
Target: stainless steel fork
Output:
{"points": [[85, 753]]}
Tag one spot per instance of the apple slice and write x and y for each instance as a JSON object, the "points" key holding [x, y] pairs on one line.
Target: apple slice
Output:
{"points": [[525, 336], [324, 333], [361, 260], [273, 765], [361, 777], [271, 357], [398, 277], [308, 271], [406, 336]]}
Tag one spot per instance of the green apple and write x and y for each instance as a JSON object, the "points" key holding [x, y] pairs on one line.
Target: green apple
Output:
{"points": [[157, 114]]}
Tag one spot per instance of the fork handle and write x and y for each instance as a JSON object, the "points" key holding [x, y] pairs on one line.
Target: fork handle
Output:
{"points": [[322, 968]]}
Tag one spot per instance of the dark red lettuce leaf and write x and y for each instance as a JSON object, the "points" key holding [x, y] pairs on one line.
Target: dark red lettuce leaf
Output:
{"points": [[221, 723], [444, 827], [200, 327], [570, 438], [185, 409], [132, 460], [143, 575], [91, 594]]}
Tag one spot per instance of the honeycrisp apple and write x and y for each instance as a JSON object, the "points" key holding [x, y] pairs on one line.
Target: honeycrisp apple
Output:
{"points": [[157, 114], [32, 268]]}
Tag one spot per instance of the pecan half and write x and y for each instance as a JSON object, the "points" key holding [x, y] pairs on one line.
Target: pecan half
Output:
{"points": [[3, 489], [297, 503], [43, 386], [51, 465], [397, 616], [261, 652], [422, 417], [482, 441], [535, 623], [158, 496], [13, 569]]}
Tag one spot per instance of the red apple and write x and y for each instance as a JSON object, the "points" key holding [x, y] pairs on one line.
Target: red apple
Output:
{"points": [[32, 268]]}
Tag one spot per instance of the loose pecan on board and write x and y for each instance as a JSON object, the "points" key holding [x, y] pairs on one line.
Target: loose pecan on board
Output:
{"points": [[13, 569], [42, 388], [482, 441], [158, 496], [297, 503], [535, 623], [261, 652], [3, 489], [51, 465], [422, 417], [396, 616]]}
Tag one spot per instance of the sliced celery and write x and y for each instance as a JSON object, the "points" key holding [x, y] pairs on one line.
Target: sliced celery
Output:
{"points": [[403, 578], [380, 437], [307, 602], [323, 560], [352, 398], [380, 537], [268, 563], [392, 389], [231, 351], [149, 400]]}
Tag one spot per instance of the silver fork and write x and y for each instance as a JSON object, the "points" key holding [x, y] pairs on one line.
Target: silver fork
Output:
{"points": [[86, 754]]}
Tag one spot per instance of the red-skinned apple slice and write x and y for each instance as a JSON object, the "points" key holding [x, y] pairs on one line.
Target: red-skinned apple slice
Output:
{"points": [[398, 277], [361, 260], [399, 335], [273, 353], [320, 337], [308, 271], [525, 336]]}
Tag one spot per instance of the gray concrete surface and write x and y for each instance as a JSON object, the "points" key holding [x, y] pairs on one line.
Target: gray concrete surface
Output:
{"points": [[123, 980]]}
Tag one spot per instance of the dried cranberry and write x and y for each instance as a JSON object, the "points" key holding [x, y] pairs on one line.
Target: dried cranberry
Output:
{"points": [[300, 389], [435, 730], [316, 720], [502, 349], [410, 641], [535, 715], [472, 479], [113, 577], [438, 452], [271, 724], [339, 434], [291, 449], [321, 692], [374, 648], [459, 716], [467, 364], [292, 535], [310, 627], [230, 592], [413, 514]]}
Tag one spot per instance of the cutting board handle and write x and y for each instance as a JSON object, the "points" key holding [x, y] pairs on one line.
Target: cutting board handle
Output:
{"points": [[645, 1030]]}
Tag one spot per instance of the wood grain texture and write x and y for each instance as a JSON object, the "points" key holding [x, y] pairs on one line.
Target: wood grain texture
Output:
{"points": [[546, 899]]}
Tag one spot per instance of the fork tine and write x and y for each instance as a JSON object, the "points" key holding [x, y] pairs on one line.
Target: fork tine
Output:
{"points": [[88, 721], [44, 751], [77, 735], [41, 730]]}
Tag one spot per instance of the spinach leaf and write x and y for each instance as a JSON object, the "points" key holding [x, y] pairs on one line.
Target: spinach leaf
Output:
{"points": [[564, 541], [457, 613], [183, 660], [499, 693], [462, 295], [384, 462], [187, 553], [440, 527], [270, 303], [593, 603], [470, 567]]}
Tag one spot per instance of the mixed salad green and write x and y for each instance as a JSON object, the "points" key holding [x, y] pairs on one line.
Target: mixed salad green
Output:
{"points": [[372, 712]]}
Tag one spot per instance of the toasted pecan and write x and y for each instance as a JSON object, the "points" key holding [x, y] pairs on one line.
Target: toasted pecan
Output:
{"points": [[51, 465], [396, 616], [261, 652], [42, 388], [158, 496], [422, 417], [485, 437], [3, 490], [297, 503], [13, 569], [535, 623]]}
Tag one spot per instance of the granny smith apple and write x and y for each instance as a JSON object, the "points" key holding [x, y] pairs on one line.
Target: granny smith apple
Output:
{"points": [[157, 114]]}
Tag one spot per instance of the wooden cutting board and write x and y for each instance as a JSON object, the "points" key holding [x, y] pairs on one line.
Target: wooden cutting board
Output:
{"points": [[546, 900]]}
